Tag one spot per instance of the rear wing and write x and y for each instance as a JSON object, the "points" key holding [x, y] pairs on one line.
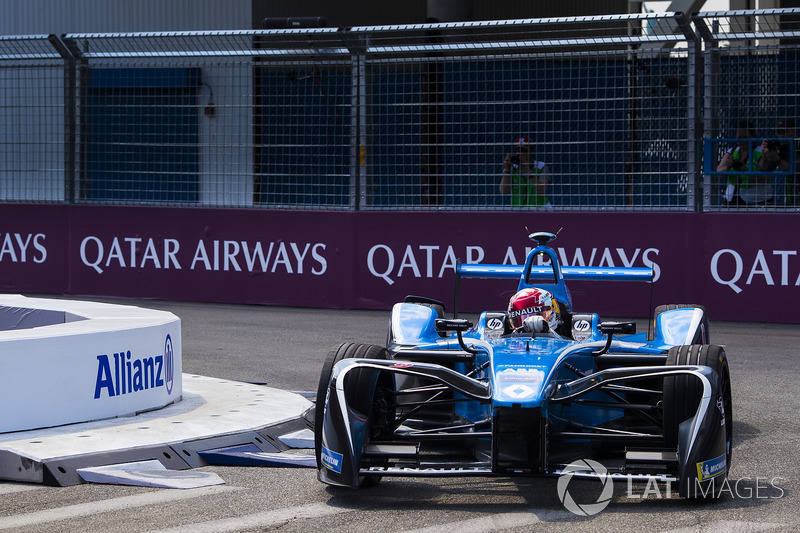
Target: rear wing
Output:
{"points": [[549, 277], [578, 273]]}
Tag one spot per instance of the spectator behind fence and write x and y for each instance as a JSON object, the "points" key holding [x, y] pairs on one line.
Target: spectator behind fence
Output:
{"points": [[525, 178], [744, 189], [778, 155]]}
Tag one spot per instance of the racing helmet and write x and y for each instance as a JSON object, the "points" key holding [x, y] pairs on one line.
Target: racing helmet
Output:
{"points": [[534, 302]]}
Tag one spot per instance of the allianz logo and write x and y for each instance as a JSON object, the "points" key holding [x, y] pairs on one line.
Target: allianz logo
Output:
{"points": [[122, 373]]}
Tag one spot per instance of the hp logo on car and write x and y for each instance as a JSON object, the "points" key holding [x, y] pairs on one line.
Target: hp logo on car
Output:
{"points": [[582, 325], [494, 323], [587, 466]]}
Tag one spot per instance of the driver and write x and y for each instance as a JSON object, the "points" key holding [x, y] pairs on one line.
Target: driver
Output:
{"points": [[534, 302]]}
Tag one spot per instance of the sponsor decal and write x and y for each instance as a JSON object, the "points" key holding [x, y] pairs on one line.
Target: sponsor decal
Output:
{"points": [[519, 383], [711, 468], [122, 373], [433, 261], [381, 261], [402, 365], [214, 255], [494, 323], [519, 391], [581, 326], [19, 247], [529, 310], [521, 375], [432, 470], [331, 460], [771, 267]]}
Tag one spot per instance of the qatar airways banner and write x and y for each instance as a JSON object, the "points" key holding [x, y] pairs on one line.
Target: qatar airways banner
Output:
{"points": [[734, 264]]}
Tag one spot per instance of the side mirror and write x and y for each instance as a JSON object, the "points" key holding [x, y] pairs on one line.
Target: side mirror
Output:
{"points": [[458, 325], [452, 324], [609, 328]]}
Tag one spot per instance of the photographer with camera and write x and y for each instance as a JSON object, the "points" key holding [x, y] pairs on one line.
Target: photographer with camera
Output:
{"points": [[778, 154], [525, 178], [744, 189]]}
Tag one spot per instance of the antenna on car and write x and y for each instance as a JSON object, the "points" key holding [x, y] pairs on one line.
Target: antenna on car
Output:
{"points": [[556, 234], [542, 237]]}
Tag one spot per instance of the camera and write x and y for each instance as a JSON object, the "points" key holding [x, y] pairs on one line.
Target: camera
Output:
{"points": [[515, 160], [738, 165], [773, 146]]}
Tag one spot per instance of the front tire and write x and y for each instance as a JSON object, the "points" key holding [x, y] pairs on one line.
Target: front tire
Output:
{"points": [[359, 393], [682, 393]]}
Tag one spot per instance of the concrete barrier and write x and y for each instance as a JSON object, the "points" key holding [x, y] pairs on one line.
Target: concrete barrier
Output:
{"points": [[64, 361]]}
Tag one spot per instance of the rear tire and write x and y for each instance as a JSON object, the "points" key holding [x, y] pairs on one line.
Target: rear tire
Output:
{"points": [[436, 305], [359, 394], [703, 335]]}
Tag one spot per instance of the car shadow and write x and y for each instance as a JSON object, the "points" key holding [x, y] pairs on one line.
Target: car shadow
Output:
{"points": [[541, 496]]}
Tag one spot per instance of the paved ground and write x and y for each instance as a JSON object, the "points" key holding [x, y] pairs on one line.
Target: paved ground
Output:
{"points": [[284, 348]]}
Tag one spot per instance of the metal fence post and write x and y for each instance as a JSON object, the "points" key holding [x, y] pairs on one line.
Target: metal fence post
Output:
{"points": [[710, 74], [694, 144], [70, 116], [360, 138], [359, 157]]}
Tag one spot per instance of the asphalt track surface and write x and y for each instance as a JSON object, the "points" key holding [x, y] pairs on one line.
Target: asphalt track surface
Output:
{"points": [[284, 348]]}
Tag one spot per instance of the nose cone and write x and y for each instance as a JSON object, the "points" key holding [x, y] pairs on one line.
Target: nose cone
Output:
{"points": [[521, 386]]}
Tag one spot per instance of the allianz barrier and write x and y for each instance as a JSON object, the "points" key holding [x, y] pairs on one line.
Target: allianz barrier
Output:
{"points": [[59, 366], [370, 260]]}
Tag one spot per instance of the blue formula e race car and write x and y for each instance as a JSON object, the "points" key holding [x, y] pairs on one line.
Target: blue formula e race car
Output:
{"points": [[534, 390]]}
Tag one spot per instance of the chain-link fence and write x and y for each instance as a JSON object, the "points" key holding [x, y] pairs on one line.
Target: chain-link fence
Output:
{"points": [[573, 87], [32, 119], [752, 73], [617, 111]]}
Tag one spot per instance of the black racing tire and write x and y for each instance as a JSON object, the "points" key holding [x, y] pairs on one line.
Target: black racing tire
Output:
{"points": [[682, 393], [357, 394], [436, 305], [702, 337], [389, 334], [438, 309]]}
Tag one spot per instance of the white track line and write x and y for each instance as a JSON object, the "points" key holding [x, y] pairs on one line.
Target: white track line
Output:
{"points": [[258, 520], [729, 526], [103, 506], [493, 522]]}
